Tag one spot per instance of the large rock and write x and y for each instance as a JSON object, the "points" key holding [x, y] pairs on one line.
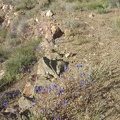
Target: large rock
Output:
{"points": [[2, 73], [49, 13], [29, 90], [48, 29], [24, 103], [48, 67], [45, 69]]}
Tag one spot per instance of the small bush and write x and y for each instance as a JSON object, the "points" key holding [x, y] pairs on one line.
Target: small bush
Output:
{"points": [[74, 6], [118, 23], [94, 5], [24, 4], [20, 58], [71, 23], [102, 10], [114, 3]]}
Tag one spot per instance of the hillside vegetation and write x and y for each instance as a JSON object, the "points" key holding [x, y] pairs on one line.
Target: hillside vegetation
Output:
{"points": [[62, 58]]}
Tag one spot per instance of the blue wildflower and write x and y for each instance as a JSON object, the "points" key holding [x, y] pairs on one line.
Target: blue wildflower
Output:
{"points": [[36, 88], [79, 66], [65, 102], [4, 103], [40, 89], [62, 77], [81, 74], [43, 109], [48, 89], [82, 82], [32, 104], [33, 62], [86, 81], [66, 68], [75, 95], [56, 119], [60, 91], [13, 95], [19, 95]]}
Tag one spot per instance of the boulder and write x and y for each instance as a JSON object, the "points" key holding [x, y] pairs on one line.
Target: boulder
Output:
{"points": [[91, 15], [49, 13], [49, 30], [24, 103], [2, 73], [56, 31], [47, 67], [28, 90]]}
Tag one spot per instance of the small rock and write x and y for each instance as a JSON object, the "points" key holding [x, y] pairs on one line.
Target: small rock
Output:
{"points": [[49, 13], [24, 103], [29, 90], [2, 73], [45, 68], [68, 55], [10, 110], [56, 31], [91, 15]]}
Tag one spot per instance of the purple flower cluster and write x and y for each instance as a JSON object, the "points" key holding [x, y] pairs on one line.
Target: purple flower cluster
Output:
{"points": [[56, 119], [51, 88], [79, 66], [66, 67], [39, 89], [60, 91], [84, 82], [5, 103], [43, 110], [63, 103], [48, 88]]}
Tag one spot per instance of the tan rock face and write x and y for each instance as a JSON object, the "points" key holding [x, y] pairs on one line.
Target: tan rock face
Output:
{"points": [[49, 13], [49, 30], [29, 90], [2, 73]]}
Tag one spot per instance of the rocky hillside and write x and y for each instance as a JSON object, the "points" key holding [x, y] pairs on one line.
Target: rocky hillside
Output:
{"points": [[59, 60]]}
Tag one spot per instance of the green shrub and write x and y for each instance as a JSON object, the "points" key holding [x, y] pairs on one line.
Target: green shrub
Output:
{"points": [[71, 23], [20, 58], [94, 5], [102, 10], [74, 6], [114, 3], [118, 23], [24, 4]]}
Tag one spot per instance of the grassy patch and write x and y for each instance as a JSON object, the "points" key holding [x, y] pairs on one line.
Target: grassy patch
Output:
{"points": [[24, 4], [97, 4], [77, 98], [19, 59], [71, 23], [79, 40], [118, 23], [74, 6], [102, 10]]}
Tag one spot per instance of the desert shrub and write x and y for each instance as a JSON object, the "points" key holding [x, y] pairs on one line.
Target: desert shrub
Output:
{"points": [[74, 96], [71, 23], [3, 33], [74, 6], [102, 10], [19, 26], [118, 23], [21, 57], [77, 1], [24, 4], [97, 4], [114, 3]]}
